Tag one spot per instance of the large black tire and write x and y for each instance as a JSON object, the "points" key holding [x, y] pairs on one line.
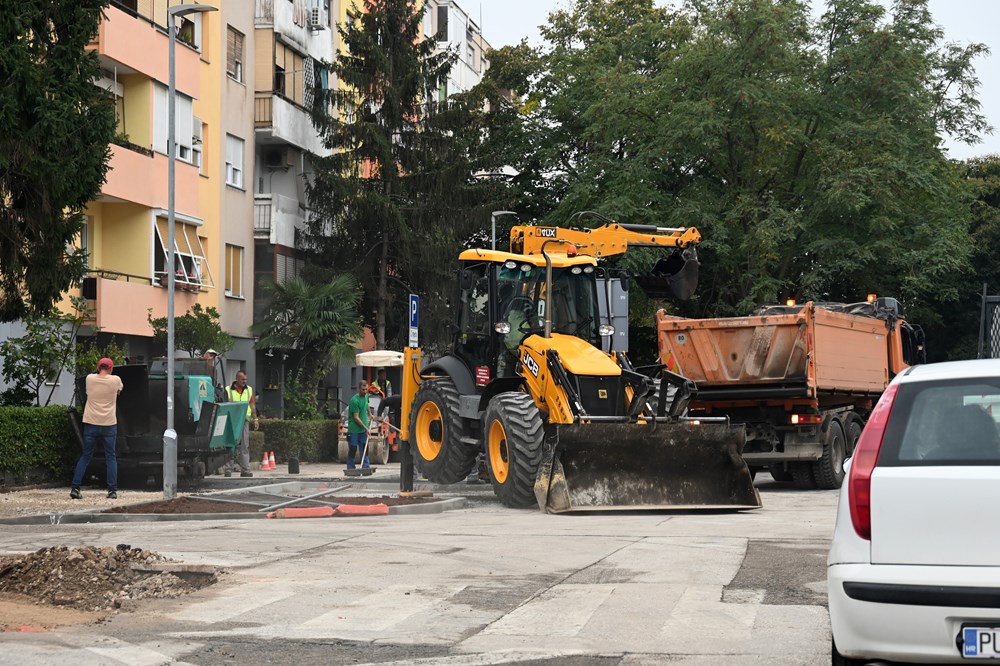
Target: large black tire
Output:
{"points": [[513, 435], [436, 432], [780, 473], [802, 475], [829, 469], [854, 428]]}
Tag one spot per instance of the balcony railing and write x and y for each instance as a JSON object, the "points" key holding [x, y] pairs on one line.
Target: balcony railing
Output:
{"points": [[262, 216], [263, 109], [264, 13]]}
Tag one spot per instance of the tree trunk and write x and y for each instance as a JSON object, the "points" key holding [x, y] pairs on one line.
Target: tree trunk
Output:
{"points": [[383, 293]]}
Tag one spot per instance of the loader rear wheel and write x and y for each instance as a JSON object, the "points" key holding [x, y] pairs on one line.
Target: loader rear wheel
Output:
{"points": [[829, 470], [802, 475], [514, 435], [437, 431]]}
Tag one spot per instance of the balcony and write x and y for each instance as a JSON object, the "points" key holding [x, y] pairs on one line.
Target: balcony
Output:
{"points": [[140, 176], [278, 120], [142, 47], [121, 305], [275, 219]]}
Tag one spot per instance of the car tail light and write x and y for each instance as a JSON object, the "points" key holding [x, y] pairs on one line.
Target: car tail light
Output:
{"points": [[859, 484], [804, 419]]}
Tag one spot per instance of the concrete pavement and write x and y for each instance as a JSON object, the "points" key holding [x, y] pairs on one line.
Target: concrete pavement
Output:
{"points": [[481, 585]]}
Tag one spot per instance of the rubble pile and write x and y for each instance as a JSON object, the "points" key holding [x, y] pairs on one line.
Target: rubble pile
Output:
{"points": [[93, 579]]}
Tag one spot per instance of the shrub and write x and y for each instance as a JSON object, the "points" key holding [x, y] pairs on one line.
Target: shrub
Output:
{"points": [[309, 441], [36, 441]]}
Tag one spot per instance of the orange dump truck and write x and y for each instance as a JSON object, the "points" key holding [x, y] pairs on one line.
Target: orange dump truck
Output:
{"points": [[801, 378]]}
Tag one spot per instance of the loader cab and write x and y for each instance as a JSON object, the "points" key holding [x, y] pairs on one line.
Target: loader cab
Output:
{"points": [[509, 291]]}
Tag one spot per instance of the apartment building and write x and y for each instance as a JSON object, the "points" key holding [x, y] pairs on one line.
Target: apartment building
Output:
{"points": [[293, 39], [455, 28], [126, 226]]}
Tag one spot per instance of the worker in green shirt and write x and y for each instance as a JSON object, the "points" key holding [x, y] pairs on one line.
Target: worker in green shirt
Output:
{"points": [[357, 425]]}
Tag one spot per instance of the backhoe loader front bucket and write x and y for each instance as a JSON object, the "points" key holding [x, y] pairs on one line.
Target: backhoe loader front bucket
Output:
{"points": [[675, 277], [621, 466]]}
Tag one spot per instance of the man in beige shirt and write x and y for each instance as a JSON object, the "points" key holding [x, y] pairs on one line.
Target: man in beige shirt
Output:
{"points": [[100, 423]]}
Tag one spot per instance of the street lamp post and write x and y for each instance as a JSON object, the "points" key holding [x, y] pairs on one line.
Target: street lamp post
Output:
{"points": [[493, 219], [170, 435]]}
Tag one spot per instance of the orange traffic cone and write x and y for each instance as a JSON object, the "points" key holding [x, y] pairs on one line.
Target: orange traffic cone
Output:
{"points": [[264, 464], [272, 464]]}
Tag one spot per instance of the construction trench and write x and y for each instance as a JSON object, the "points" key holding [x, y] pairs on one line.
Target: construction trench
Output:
{"points": [[275, 497]]}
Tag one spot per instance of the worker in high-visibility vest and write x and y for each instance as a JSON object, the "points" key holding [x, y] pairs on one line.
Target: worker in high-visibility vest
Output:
{"points": [[381, 387], [240, 391]]}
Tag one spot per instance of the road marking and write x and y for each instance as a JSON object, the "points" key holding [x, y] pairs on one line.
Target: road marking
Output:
{"points": [[560, 611]]}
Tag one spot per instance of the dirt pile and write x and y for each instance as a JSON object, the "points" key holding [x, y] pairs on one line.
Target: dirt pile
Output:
{"points": [[95, 579]]}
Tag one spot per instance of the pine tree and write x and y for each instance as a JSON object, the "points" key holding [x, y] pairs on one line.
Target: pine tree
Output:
{"points": [[55, 127], [392, 202]]}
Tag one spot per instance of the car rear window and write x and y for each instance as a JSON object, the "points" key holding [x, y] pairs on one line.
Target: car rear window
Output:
{"points": [[954, 422]]}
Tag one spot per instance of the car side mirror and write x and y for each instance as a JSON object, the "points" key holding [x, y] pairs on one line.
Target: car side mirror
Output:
{"points": [[466, 279]]}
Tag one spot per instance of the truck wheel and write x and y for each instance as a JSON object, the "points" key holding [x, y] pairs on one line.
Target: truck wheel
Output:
{"points": [[854, 429], [437, 430], [829, 470], [780, 473], [802, 475], [514, 435]]}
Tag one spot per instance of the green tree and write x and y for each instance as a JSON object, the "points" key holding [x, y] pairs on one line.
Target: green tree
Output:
{"points": [[319, 321], [393, 200], [808, 151], [196, 331], [955, 335], [53, 148], [48, 347]]}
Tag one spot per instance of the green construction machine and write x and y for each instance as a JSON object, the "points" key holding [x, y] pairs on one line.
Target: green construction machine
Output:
{"points": [[207, 431]]}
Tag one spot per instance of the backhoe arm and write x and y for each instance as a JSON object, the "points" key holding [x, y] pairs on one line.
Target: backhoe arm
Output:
{"points": [[604, 241]]}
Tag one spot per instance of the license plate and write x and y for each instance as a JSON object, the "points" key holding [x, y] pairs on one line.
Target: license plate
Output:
{"points": [[980, 642]]}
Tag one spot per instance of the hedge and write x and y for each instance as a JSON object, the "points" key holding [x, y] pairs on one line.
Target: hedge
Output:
{"points": [[309, 441], [36, 443]]}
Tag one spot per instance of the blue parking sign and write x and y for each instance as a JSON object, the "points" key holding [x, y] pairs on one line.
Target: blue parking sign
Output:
{"points": [[414, 319]]}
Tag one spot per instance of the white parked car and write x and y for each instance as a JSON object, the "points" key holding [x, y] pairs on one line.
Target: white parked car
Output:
{"points": [[914, 568]]}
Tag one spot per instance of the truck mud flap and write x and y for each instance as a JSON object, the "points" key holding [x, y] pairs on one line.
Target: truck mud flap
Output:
{"points": [[619, 466]]}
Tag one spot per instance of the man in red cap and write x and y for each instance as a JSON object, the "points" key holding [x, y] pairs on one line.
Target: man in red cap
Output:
{"points": [[100, 423]]}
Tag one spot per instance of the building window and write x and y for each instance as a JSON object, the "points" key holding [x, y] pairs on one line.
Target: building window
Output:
{"points": [[184, 121], [234, 54], [234, 161], [291, 74], [191, 269], [442, 23], [234, 271], [196, 144]]}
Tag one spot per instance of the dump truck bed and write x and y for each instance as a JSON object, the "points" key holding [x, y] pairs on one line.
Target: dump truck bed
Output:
{"points": [[804, 354]]}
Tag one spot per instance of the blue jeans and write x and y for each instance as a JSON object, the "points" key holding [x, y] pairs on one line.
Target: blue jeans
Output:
{"points": [[355, 440], [92, 434]]}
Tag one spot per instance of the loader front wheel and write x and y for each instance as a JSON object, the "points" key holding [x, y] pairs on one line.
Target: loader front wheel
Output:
{"points": [[437, 431], [514, 434]]}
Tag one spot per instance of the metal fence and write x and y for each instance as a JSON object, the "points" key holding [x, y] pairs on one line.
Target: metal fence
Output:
{"points": [[989, 327]]}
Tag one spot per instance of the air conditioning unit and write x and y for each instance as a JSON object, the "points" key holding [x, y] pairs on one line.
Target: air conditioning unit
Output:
{"points": [[316, 18], [275, 157]]}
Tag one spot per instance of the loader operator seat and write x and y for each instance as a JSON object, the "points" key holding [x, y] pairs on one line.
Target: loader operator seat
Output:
{"points": [[515, 310]]}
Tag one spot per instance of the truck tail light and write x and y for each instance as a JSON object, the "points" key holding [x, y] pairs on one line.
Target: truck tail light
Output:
{"points": [[805, 419], [859, 483]]}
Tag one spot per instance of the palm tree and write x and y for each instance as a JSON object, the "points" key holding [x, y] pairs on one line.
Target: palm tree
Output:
{"points": [[319, 320]]}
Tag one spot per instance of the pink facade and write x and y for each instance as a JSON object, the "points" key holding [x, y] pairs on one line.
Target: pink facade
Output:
{"points": [[123, 305], [144, 48], [142, 179]]}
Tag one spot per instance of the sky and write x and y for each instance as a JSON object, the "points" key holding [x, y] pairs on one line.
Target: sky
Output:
{"points": [[506, 22]]}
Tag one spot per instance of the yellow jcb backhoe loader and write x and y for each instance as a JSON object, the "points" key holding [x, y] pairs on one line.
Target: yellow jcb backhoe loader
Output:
{"points": [[562, 423]]}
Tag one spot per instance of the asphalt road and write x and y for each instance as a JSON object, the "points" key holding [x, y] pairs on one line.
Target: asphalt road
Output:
{"points": [[481, 585]]}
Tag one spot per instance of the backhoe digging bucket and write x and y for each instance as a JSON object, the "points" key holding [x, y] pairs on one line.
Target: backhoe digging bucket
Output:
{"points": [[620, 466], [675, 277]]}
